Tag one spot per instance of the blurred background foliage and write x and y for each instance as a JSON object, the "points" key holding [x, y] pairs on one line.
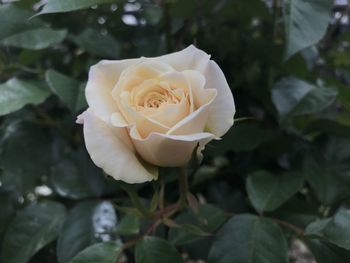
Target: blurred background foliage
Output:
{"points": [[275, 189]]}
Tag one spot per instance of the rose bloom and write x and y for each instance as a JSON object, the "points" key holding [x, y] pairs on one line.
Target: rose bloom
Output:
{"points": [[149, 112]]}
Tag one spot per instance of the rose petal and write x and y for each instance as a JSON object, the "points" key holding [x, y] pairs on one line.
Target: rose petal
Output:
{"points": [[169, 150], [102, 79], [188, 58], [111, 149], [196, 121], [222, 109]]}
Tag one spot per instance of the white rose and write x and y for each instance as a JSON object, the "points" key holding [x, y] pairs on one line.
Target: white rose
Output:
{"points": [[150, 112]]}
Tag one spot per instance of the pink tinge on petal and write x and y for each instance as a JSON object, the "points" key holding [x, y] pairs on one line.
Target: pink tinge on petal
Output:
{"points": [[80, 118]]}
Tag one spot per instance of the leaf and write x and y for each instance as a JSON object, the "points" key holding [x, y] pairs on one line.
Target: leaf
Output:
{"points": [[128, 225], [267, 192], [295, 97], [33, 227], [68, 181], [248, 238], [35, 39], [327, 253], [54, 6], [243, 137], [97, 44], [14, 20], [76, 177], [194, 226], [156, 250], [297, 211], [24, 155], [106, 252], [86, 223], [15, 94], [306, 23], [69, 90], [335, 230], [326, 169], [8, 209]]}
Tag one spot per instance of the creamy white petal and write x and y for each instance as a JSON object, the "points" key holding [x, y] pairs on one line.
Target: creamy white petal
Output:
{"points": [[221, 114], [222, 109], [144, 124], [197, 120], [169, 150], [188, 58], [102, 79], [110, 148]]}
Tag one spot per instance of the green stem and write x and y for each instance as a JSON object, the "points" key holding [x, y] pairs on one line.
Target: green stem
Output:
{"points": [[137, 202], [183, 185]]}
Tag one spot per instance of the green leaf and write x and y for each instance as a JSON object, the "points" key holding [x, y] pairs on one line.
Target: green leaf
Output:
{"points": [[35, 39], [14, 20], [248, 238], [128, 225], [344, 95], [306, 23], [297, 211], [335, 230], [15, 94], [94, 42], [267, 192], [86, 224], [8, 209], [74, 176], [326, 168], [156, 250], [295, 97], [69, 90], [106, 252], [195, 225], [244, 137], [33, 227], [54, 6], [24, 155], [68, 181], [327, 253]]}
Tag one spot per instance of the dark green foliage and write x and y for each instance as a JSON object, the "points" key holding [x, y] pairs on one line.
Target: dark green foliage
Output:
{"points": [[281, 175]]}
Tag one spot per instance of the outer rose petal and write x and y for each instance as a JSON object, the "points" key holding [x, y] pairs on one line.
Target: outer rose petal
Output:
{"points": [[110, 148], [169, 150], [222, 109], [189, 58], [102, 79]]}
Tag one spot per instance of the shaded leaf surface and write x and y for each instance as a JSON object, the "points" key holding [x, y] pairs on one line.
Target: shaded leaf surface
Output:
{"points": [[249, 239], [156, 250], [267, 192], [15, 94], [32, 229]]}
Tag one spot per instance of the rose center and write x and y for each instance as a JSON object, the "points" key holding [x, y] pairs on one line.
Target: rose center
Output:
{"points": [[158, 95]]}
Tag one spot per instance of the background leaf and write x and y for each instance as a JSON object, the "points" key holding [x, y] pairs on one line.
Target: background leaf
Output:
{"points": [[69, 90], [106, 252], [306, 23], [247, 238], [267, 192], [53, 6], [293, 97], [35, 39], [15, 93], [334, 230], [32, 229], [84, 227], [154, 250], [97, 44]]}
